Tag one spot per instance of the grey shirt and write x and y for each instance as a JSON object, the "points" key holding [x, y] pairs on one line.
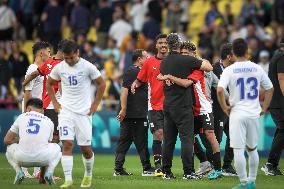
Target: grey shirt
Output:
{"points": [[211, 80]]}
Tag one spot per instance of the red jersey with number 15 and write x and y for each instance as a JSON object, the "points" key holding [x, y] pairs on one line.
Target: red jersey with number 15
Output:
{"points": [[45, 70], [148, 74]]}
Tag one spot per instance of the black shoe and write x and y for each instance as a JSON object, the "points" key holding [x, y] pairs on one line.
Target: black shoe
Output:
{"points": [[121, 173], [191, 176], [229, 171], [148, 172], [169, 176], [270, 170]]}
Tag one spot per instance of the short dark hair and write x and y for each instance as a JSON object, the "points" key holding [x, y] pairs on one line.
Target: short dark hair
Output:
{"points": [[34, 102], [226, 49], [69, 46], [160, 36], [240, 47], [174, 41], [137, 53], [188, 45], [39, 46], [60, 44]]}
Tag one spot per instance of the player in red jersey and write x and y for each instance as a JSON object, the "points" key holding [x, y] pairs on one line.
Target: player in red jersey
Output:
{"points": [[148, 74], [45, 70], [203, 118]]}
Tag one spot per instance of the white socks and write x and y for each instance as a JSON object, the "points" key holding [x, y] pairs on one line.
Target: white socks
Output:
{"points": [[88, 164], [67, 165], [240, 165], [253, 165]]}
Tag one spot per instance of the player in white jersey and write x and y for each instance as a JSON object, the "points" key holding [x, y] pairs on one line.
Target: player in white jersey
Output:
{"points": [[41, 52], [33, 147], [244, 79], [76, 108]]}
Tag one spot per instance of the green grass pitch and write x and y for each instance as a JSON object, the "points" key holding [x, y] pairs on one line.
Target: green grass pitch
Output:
{"points": [[103, 179]]}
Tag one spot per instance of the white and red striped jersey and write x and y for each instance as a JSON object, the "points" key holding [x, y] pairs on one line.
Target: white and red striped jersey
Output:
{"points": [[202, 103]]}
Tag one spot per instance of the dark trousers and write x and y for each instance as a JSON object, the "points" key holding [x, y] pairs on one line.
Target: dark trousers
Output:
{"points": [[278, 140], [133, 130], [178, 120], [221, 123]]}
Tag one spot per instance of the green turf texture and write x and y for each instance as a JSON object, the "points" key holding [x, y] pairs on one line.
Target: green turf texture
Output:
{"points": [[103, 177]]}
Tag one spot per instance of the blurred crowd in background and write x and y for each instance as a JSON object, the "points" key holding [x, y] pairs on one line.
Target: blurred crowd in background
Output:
{"points": [[109, 30]]}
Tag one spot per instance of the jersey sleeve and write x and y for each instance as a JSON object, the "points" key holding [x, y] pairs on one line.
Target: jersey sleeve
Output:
{"points": [[94, 73], [54, 74], [265, 82], [280, 65], [224, 79], [195, 75], [30, 85], [15, 127], [143, 74]]}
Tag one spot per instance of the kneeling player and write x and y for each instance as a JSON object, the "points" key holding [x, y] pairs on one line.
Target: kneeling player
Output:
{"points": [[33, 149]]}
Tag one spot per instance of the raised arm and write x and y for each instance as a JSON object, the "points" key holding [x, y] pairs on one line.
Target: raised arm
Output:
{"points": [[30, 77], [206, 66], [49, 88]]}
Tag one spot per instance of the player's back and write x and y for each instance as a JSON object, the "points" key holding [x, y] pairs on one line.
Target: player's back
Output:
{"points": [[35, 131], [244, 80]]}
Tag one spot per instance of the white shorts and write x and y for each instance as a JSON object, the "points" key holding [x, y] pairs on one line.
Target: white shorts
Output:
{"points": [[73, 125], [244, 132], [38, 158]]}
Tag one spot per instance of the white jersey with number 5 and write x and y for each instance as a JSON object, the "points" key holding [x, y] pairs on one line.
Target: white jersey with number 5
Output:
{"points": [[35, 131], [244, 80], [76, 85]]}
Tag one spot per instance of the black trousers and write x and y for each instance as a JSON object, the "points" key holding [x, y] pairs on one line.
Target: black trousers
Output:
{"points": [[133, 130], [221, 123], [178, 120], [278, 140]]}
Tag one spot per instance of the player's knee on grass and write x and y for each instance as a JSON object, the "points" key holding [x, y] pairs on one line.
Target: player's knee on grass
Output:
{"points": [[67, 147], [87, 151], [158, 134]]}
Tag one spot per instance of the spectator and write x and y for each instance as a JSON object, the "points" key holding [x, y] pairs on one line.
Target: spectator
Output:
{"points": [[115, 88], [90, 55], [5, 73], [173, 16], [80, 18], [269, 45], [19, 64], [264, 13], [155, 10], [264, 60], [253, 45], [212, 14], [120, 28], [184, 17], [52, 19], [252, 30], [219, 37], [111, 50], [228, 18], [248, 11], [27, 8], [137, 12], [7, 20], [235, 32], [126, 57], [151, 28], [137, 39], [103, 22], [205, 44], [278, 11]]}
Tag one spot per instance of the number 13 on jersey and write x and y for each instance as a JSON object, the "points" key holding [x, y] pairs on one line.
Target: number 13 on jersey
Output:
{"points": [[253, 90]]}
